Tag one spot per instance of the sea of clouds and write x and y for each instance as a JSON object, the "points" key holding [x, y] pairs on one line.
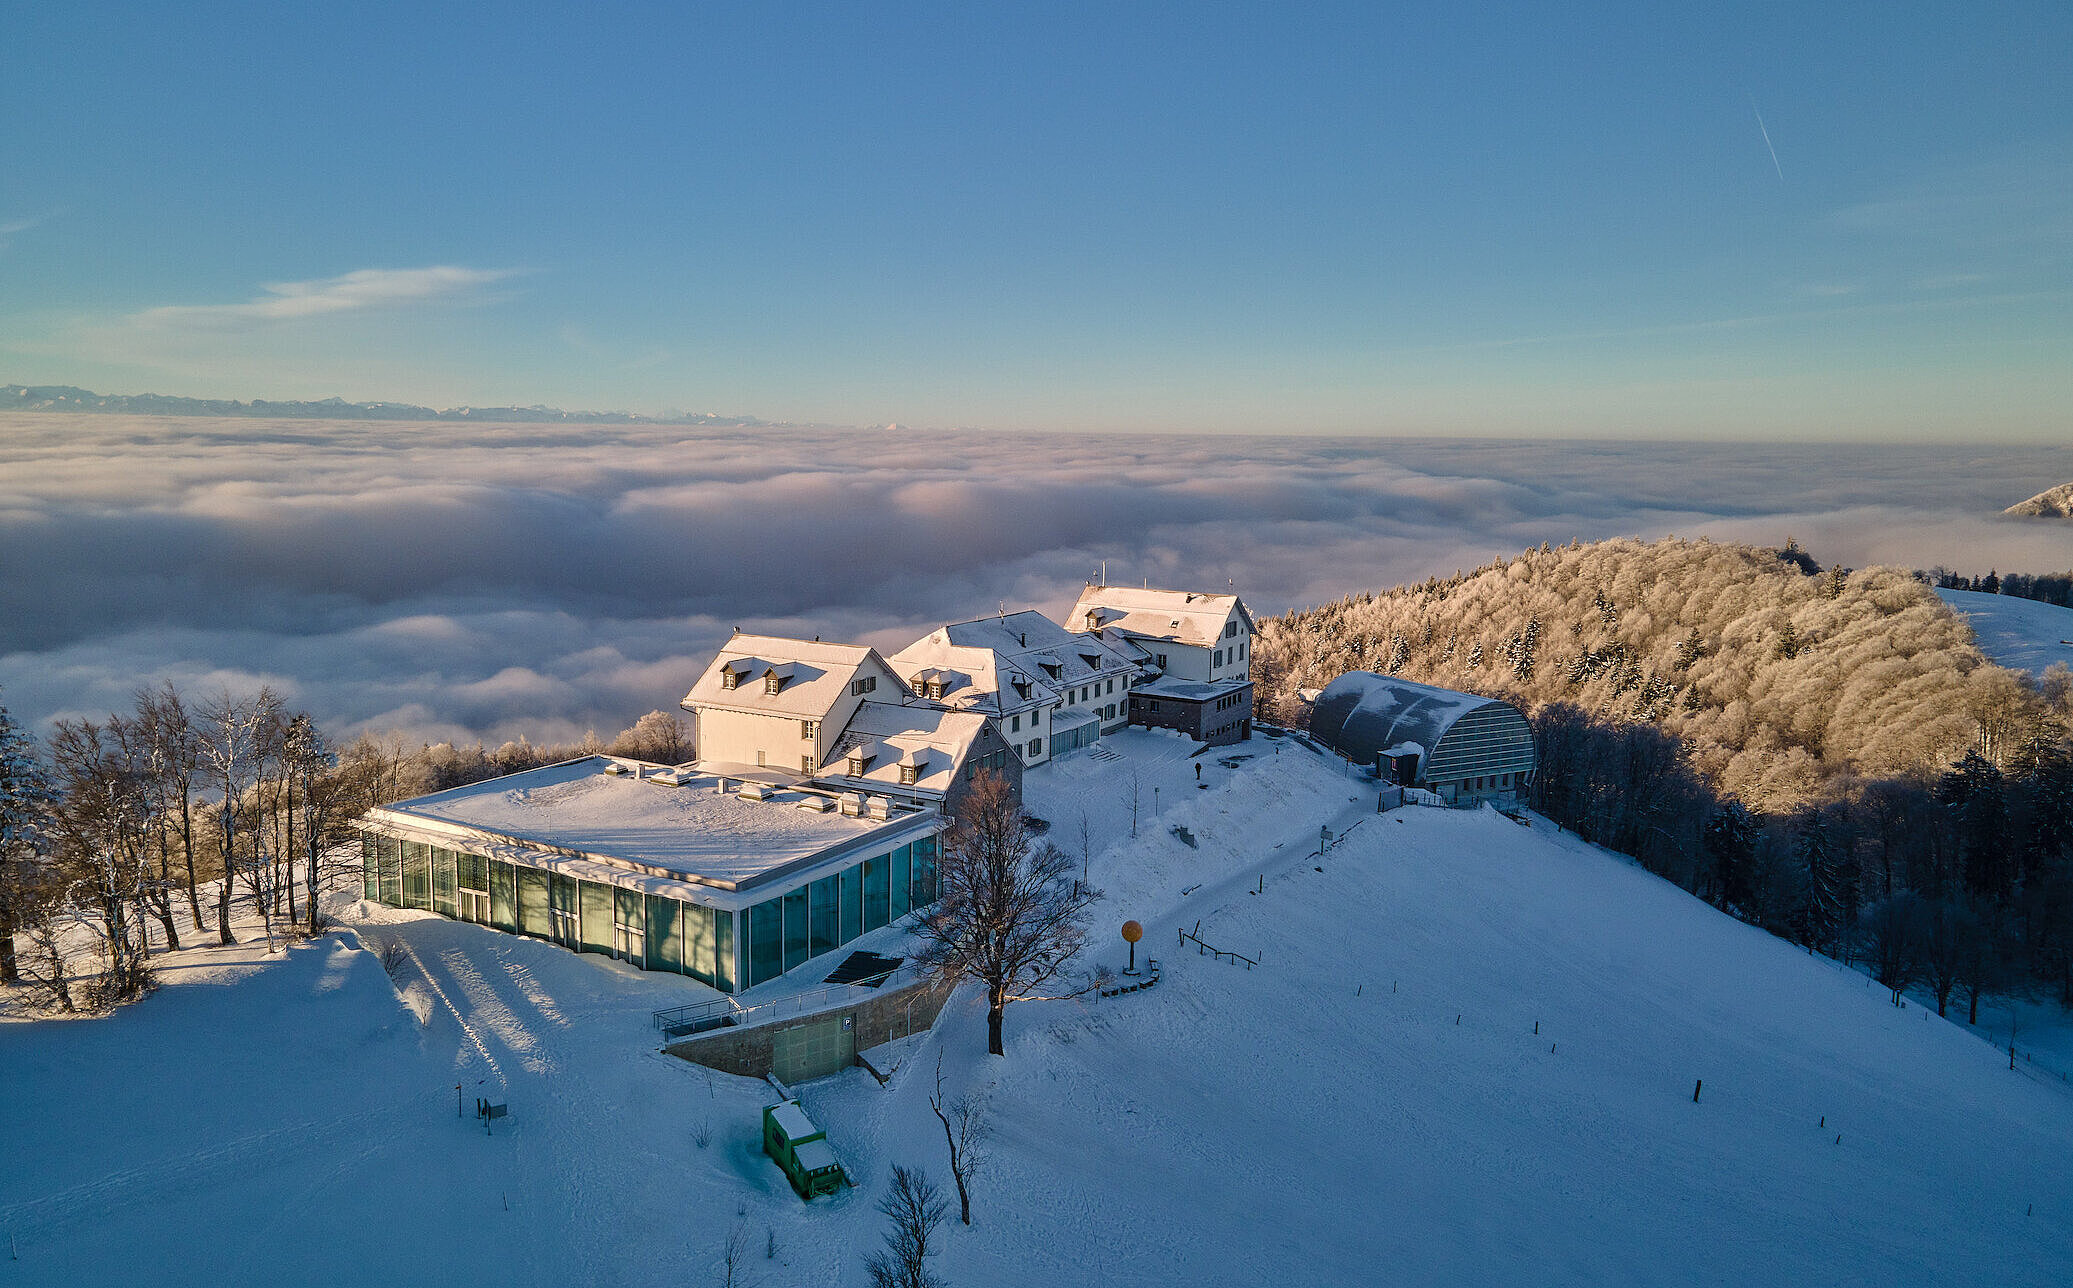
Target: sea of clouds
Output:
{"points": [[458, 581]]}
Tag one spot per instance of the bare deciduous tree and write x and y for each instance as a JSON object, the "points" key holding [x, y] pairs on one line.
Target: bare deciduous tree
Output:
{"points": [[915, 1209], [1009, 915], [963, 1128]]}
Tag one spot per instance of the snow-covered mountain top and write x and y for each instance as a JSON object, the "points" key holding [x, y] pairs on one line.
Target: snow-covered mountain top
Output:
{"points": [[2020, 634], [2051, 503]]}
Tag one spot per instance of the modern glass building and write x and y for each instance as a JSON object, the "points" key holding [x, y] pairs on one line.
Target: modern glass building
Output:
{"points": [[733, 883]]}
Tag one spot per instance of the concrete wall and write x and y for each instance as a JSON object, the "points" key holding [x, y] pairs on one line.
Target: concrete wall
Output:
{"points": [[738, 735], [878, 1019]]}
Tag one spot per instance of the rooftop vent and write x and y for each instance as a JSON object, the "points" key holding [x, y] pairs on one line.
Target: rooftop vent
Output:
{"points": [[816, 804], [614, 767], [755, 792], [851, 804]]}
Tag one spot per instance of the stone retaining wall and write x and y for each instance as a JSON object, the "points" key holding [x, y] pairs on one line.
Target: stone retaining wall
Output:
{"points": [[749, 1050]]}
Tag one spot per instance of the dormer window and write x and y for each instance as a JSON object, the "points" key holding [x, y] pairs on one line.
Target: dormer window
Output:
{"points": [[935, 690], [857, 761], [772, 682], [729, 677], [908, 773]]}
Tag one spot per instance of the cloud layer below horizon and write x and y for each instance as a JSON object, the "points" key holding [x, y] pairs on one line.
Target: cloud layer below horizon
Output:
{"points": [[473, 581]]}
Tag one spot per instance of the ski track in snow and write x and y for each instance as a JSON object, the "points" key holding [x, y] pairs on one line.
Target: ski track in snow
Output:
{"points": [[466, 1028]]}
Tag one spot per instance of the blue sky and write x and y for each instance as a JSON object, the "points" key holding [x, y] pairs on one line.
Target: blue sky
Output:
{"points": [[1331, 219]]}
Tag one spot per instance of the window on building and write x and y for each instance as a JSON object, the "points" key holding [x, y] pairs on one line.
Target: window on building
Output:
{"points": [[759, 759], [729, 678], [1036, 746], [863, 684], [1014, 724], [806, 764], [1218, 660], [809, 729], [1230, 629], [908, 774], [772, 683], [1159, 660]]}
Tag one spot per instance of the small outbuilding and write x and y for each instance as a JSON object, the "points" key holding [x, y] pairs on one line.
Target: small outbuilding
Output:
{"points": [[801, 1150], [1461, 746]]}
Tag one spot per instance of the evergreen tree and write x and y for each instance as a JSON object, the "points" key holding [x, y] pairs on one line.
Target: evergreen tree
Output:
{"points": [[1730, 842], [1818, 916], [1973, 795]]}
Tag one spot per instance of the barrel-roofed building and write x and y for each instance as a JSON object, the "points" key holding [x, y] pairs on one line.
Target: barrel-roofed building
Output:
{"points": [[1463, 747]]}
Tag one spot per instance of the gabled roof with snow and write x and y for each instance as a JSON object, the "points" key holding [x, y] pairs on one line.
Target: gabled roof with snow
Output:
{"points": [[934, 740], [1181, 616], [983, 661], [811, 676]]}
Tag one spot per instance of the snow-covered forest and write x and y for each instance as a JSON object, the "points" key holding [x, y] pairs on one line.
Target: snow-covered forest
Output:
{"points": [[1825, 752]]}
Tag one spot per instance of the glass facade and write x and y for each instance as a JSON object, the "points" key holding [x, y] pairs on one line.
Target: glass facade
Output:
{"points": [[392, 872], [655, 931], [766, 951], [597, 918], [877, 889], [795, 928], [442, 883], [417, 876], [535, 913], [503, 896], [822, 934]]}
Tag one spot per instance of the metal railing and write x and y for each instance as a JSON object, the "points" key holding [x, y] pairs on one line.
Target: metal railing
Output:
{"points": [[725, 1012], [1187, 937]]}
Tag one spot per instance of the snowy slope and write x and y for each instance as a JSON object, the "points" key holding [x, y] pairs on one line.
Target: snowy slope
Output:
{"points": [[2021, 634], [1322, 1119]]}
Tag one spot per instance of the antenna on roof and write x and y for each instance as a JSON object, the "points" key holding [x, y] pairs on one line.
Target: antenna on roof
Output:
{"points": [[1104, 574], [1003, 611]]}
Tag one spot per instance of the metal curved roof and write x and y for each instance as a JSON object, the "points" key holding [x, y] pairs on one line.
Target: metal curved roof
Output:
{"points": [[1364, 715]]}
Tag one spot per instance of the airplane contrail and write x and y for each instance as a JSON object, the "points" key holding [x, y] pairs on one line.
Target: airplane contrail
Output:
{"points": [[1767, 142]]}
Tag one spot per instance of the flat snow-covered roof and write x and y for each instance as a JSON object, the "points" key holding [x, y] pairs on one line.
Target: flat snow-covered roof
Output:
{"points": [[695, 832]]}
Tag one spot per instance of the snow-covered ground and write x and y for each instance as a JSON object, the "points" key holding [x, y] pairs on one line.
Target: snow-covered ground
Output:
{"points": [[2020, 634], [1372, 1104]]}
